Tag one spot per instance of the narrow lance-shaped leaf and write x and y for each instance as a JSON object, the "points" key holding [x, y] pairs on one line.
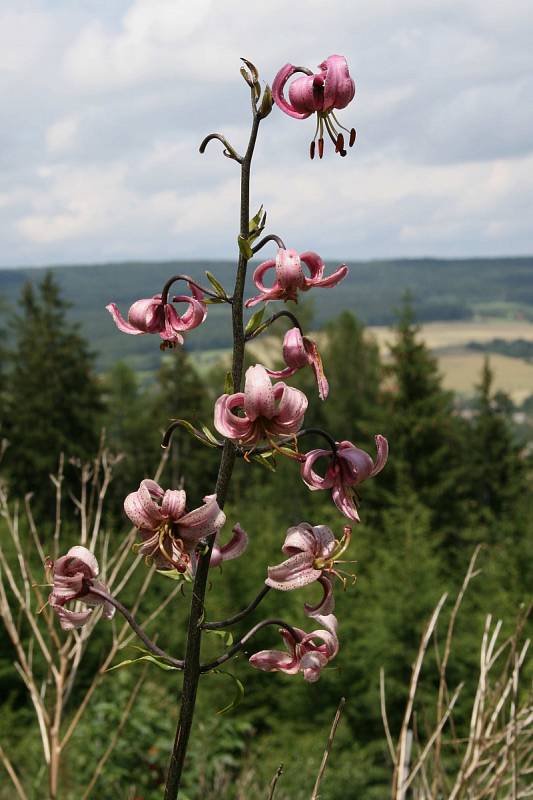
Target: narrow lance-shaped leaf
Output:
{"points": [[228, 384], [219, 289], [255, 321], [239, 691]]}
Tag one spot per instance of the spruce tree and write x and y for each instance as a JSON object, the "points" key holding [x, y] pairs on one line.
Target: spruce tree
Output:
{"points": [[53, 395], [424, 434], [496, 472]]}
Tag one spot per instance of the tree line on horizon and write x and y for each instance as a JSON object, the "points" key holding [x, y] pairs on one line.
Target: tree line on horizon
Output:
{"points": [[451, 483]]}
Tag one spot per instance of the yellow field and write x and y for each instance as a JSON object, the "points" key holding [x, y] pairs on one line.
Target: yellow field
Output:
{"points": [[460, 367], [456, 334]]}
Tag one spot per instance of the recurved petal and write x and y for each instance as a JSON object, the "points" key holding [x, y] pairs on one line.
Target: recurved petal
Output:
{"points": [[88, 565], [294, 349], [147, 314], [191, 318], [311, 665], [356, 463], [289, 273], [307, 93], [382, 454], [121, 323], [300, 538], [233, 549], [314, 264], [69, 619], [292, 405], [173, 504], [201, 522], [258, 393], [274, 661], [310, 477], [278, 86], [344, 500], [295, 572], [313, 356], [332, 280], [339, 88], [259, 273], [226, 422], [142, 510], [327, 603]]}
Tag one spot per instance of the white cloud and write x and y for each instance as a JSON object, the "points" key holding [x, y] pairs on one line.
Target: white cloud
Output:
{"points": [[61, 135], [104, 108]]}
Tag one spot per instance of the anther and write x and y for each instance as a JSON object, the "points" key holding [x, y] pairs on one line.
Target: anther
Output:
{"points": [[353, 134], [339, 144], [312, 150], [320, 147]]}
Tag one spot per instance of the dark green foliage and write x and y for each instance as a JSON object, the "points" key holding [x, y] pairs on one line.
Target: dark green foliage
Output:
{"points": [[424, 435], [496, 474], [53, 403], [449, 484]]}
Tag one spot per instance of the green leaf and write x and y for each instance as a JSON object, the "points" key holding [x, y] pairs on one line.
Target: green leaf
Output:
{"points": [[239, 691], [266, 103], [247, 77], [174, 575], [255, 222], [219, 289], [210, 436], [255, 321], [226, 636], [212, 301], [252, 68], [194, 432], [151, 658], [244, 247], [229, 387], [263, 459]]}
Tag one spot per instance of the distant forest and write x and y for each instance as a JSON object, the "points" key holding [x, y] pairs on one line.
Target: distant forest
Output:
{"points": [[441, 290]]}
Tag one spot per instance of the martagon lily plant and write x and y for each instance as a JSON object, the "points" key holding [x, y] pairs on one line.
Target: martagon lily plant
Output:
{"points": [[258, 414]]}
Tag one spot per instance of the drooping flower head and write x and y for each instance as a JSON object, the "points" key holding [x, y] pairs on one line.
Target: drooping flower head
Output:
{"points": [[73, 577], [313, 552], [152, 315], [320, 93], [169, 535], [298, 352], [350, 467], [266, 411], [290, 277], [307, 652]]}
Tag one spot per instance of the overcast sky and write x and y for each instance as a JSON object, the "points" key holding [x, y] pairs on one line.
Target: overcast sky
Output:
{"points": [[105, 102]]}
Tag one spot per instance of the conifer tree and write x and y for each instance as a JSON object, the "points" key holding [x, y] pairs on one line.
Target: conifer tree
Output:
{"points": [[496, 472], [53, 396], [425, 435], [353, 370]]}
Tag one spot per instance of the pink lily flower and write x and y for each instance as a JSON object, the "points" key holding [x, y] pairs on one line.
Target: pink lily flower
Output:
{"points": [[151, 315], [73, 576], [350, 467], [233, 549], [331, 88], [290, 277], [169, 535], [298, 352], [313, 552], [266, 410], [308, 653]]}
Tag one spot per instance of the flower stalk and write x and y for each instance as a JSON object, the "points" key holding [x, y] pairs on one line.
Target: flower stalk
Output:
{"points": [[192, 667]]}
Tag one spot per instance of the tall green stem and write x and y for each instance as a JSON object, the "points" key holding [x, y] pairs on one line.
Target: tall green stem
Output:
{"points": [[191, 672]]}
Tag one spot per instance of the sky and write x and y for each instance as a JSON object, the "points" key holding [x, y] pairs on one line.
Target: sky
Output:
{"points": [[105, 103]]}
